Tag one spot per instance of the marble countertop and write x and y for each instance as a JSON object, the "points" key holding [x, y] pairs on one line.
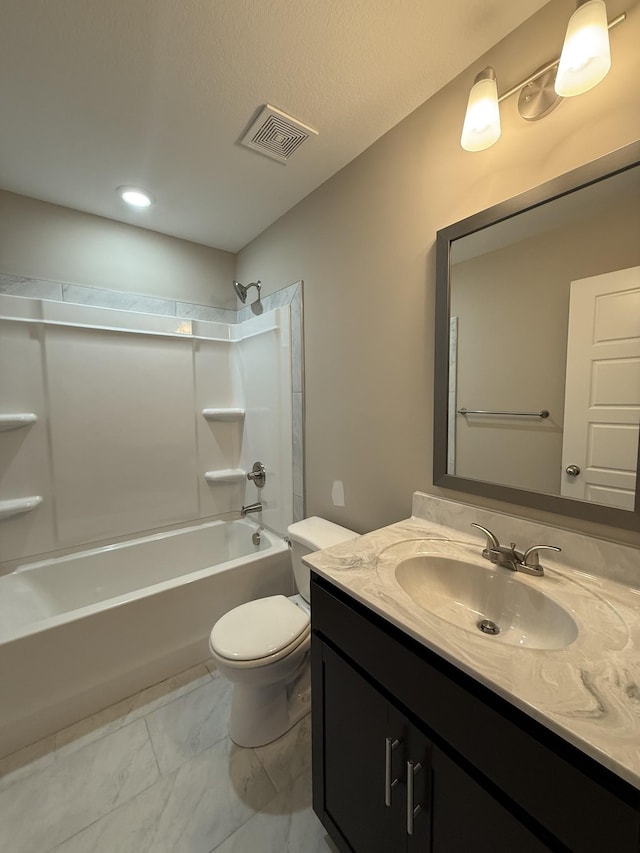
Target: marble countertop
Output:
{"points": [[588, 693]]}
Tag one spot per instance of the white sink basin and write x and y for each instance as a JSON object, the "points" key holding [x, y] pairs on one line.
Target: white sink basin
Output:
{"points": [[466, 594]]}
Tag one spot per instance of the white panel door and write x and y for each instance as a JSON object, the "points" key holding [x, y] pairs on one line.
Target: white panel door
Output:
{"points": [[602, 395]]}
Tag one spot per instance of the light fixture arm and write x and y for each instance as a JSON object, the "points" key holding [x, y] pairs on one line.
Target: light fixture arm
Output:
{"points": [[614, 22]]}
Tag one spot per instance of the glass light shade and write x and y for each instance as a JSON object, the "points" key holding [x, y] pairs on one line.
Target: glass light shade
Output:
{"points": [[482, 120], [586, 55]]}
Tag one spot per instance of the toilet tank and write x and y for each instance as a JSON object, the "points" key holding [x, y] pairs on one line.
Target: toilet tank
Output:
{"points": [[308, 535]]}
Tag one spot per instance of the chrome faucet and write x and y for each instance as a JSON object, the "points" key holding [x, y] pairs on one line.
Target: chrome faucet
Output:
{"points": [[256, 507], [258, 474], [517, 561]]}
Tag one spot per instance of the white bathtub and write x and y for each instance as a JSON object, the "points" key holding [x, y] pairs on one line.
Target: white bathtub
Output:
{"points": [[80, 632]]}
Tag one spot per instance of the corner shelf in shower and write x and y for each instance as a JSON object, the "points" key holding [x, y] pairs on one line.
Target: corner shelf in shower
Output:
{"points": [[225, 475], [228, 414], [15, 507], [16, 421]]}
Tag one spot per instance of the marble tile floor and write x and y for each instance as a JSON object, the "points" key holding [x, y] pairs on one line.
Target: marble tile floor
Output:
{"points": [[157, 772]]}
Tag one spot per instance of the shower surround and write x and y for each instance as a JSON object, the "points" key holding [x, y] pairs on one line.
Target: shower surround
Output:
{"points": [[120, 445]]}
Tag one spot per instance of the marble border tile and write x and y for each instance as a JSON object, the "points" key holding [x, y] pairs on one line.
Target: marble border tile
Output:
{"points": [[15, 285], [298, 508], [298, 444], [292, 295], [192, 311], [297, 341], [81, 295], [298, 399]]}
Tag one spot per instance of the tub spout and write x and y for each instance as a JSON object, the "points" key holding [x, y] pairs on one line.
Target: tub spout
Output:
{"points": [[256, 507]]}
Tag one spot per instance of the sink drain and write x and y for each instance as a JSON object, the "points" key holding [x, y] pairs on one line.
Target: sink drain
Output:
{"points": [[488, 627]]}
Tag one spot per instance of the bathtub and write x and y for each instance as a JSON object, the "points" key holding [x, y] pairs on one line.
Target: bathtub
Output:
{"points": [[80, 632]]}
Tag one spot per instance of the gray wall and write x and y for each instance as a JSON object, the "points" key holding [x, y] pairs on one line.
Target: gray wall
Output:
{"points": [[364, 244], [46, 241]]}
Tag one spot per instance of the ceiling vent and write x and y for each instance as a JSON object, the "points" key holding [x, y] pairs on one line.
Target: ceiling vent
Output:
{"points": [[276, 134]]}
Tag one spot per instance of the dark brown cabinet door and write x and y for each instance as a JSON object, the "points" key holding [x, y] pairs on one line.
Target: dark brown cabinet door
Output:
{"points": [[467, 818], [356, 726], [376, 765]]}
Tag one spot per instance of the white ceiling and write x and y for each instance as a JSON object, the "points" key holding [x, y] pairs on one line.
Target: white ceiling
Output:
{"points": [[99, 93]]}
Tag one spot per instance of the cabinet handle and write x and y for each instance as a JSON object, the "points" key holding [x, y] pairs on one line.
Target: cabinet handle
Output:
{"points": [[412, 811], [389, 783]]}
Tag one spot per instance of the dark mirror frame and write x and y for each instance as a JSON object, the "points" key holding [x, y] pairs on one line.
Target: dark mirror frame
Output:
{"points": [[611, 164]]}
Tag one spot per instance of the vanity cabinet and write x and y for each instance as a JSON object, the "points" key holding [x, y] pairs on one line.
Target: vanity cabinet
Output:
{"points": [[370, 749], [400, 736]]}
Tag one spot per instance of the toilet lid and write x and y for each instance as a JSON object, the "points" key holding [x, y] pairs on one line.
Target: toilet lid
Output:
{"points": [[258, 628]]}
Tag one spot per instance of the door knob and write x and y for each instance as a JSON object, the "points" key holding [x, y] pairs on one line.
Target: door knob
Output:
{"points": [[572, 470]]}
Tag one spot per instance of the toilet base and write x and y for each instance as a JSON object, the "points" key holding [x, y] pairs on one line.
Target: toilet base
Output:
{"points": [[260, 715]]}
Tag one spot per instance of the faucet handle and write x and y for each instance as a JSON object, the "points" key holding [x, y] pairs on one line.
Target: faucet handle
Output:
{"points": [[530, 557], [492, 539], [258, 474]]}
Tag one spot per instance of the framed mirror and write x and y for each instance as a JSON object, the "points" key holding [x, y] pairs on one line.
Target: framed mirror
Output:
{"points": [[537, 361]]}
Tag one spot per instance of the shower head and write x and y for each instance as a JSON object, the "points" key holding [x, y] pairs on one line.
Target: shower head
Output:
{"points": [[241, 289]]}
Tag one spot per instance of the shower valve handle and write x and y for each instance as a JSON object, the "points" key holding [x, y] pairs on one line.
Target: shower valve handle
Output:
{"points": [[258, 474]]}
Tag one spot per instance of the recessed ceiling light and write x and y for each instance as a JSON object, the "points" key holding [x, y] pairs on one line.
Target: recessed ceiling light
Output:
{"points": [[134, 196]]}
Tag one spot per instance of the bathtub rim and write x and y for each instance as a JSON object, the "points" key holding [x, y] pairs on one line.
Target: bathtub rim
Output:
{"points": [[277, 545], [158, 535], [8, 567]]}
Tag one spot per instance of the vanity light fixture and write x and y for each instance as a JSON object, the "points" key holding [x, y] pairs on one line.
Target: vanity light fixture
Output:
{"points": [[135, 197], [482, 120], [585, 61], [586, 55]]}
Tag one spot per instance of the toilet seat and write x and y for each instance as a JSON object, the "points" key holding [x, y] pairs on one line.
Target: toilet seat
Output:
{"points": [[263, 630], [298, 647]]}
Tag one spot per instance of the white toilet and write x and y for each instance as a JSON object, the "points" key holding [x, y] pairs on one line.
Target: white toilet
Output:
{"points": [[263, 646]]}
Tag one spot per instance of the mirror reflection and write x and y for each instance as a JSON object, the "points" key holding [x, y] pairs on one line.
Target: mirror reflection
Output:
{"points": [[544, 347]]}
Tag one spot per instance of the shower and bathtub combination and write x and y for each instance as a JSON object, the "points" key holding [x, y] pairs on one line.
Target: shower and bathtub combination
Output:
{"points": [[120, 537]]}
